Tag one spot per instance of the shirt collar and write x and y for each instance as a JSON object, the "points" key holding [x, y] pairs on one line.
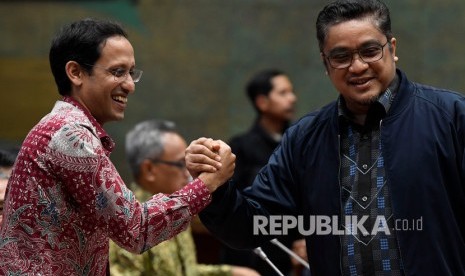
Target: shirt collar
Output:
{"points": [[107, 142]]}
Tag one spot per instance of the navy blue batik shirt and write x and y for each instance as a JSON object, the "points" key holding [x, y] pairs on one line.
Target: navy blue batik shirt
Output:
{"points": [[365, 193]]}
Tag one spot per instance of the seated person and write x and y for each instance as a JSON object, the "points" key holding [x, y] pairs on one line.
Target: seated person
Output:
{"points": [[155, 151], [7, 160]]}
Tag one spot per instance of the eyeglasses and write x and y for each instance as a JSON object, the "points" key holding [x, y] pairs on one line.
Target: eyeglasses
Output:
{"points": [[181, 164], [122, 74], [368, 54]]}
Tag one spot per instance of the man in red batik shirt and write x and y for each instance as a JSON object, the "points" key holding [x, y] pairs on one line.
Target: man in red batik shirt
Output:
{"points": [[65, 200]]}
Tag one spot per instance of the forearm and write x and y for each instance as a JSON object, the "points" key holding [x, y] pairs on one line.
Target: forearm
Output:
{"points": [[164, 216]]}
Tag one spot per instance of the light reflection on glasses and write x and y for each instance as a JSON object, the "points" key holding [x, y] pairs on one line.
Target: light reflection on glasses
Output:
{"points": [[122, 74]]}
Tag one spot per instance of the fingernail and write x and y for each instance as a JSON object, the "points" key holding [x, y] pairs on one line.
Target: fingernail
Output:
{"points": [[217, 158]]}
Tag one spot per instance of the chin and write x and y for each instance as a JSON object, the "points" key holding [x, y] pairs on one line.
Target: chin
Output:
{"points": [[119, 117], [368, 98]]}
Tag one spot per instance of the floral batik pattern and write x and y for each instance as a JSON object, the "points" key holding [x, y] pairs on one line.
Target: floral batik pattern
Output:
{"points": [[65, 201]]}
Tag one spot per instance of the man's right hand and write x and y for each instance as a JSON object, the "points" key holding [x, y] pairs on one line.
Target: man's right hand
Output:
{"points": [[211, 161]]}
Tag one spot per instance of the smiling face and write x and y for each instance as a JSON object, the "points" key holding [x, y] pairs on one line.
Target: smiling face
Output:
{"points": [[98, 91], [361, 83]]}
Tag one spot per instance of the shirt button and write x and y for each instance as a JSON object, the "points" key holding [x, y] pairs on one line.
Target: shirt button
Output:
{"points": [[364, 199], [365, 166]]}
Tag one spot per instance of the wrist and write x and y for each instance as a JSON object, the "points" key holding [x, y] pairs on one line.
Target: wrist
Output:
{"points": [[210, 181]]}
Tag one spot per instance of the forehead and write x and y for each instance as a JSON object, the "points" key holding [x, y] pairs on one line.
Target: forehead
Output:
{"points": [[174, 144], [117, 49], [352, 33], [280, 79]]}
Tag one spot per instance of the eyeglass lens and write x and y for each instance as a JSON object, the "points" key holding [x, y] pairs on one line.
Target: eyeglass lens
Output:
{"points": [[367, 54]]}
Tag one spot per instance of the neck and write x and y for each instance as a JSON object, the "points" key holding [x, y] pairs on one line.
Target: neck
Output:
{"points": [[358, 111], [271, 125], [360, 119]]}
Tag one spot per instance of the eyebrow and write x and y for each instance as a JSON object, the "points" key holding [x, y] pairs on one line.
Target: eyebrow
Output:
{"points": [[344, 49]]}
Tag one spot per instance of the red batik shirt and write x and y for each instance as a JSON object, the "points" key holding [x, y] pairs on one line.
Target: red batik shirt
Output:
{"points": [[65, 200]]}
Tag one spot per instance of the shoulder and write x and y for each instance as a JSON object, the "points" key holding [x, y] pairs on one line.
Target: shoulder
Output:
{"points": [[67, 131], [445, 101], [239, 137], [425, 102], [436, 94], [243, 139], [65, 124], [314, 120], [75, 139], [311, 131], [64, 115]]}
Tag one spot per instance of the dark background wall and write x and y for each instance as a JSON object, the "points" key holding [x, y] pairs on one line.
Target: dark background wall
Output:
{"points": [[197, 56]]}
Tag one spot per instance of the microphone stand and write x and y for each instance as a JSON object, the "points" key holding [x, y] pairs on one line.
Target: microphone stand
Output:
{"points": [[290, 252], [263, 256]]}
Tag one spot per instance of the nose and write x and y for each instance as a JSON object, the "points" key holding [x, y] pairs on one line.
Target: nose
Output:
{"points": [[293, 97], [129, 85], [357, 64]]}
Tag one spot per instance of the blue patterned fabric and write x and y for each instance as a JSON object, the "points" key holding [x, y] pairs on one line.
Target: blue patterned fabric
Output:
{"points": [[365, 193]]}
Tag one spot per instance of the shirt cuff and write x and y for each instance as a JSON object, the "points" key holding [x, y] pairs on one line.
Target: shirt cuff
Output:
{"points": [[196, 195]]}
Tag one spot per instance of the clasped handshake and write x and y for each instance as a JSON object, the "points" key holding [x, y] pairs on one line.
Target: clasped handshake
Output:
{"points": [[211, 161]]}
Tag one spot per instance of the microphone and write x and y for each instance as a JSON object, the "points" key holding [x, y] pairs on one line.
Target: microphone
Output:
{"points": [[263, 256], [290, 252]]}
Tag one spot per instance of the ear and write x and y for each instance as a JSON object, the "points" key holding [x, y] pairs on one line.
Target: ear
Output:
{"points": [[262, 102], [148, 173], [74, 72], [393, 48], [325, 62]]}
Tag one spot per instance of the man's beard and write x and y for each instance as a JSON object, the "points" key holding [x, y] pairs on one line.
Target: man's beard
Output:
{"points": [[369, 101]]}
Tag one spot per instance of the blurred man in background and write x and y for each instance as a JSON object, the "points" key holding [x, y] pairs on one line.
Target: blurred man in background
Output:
{"points": [[272, 96]]}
